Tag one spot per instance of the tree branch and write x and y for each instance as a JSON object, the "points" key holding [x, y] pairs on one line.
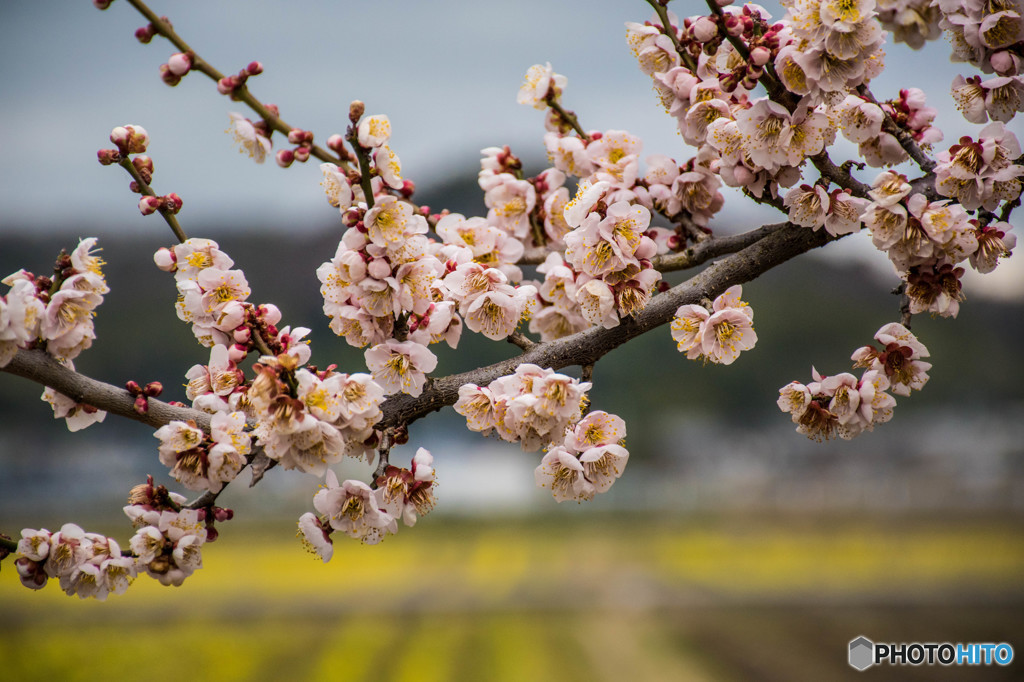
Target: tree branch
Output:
{"points": [[37, 366], [586, 347]]}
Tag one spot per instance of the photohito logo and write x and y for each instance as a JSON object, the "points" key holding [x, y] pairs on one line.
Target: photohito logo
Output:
{"points": [[864, 653]]}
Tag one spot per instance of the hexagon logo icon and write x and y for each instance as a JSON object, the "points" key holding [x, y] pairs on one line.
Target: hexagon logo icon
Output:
{"points": [[862, 653]]}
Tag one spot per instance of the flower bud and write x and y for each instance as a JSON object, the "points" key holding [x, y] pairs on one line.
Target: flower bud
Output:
{"points": [[165, 259], [221, 514], [227, 85], [167, 77], [237, 353], [153, 389], [760, 56], [145, 33], [108, 156], [132, 387], [1005, 63], [31, 573], [356, 110], [285, 157], [704, 29], [408, 187], [101, 4], [172, 202], [378, 268], [254, 68], [302, 154], [270, 313], [141, 404], [336, 143], [149, 205], [144, 166], [242, 334], [179, 64]]}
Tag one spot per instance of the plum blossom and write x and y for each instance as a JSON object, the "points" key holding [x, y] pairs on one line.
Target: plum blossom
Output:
{"points": [[250, 141], [539, 83], [353, 508], [400, 366], [718, 335], [374, 131]]}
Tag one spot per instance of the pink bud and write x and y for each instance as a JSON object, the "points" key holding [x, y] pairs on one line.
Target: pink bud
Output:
{"points": [[131, 139], [31, 573], [760, 56], [301, 154], [179, 64], [237, 354], [379, 268], [101, 4], [270, 313], [254, 68], [221, 514], [108, 156], [212, 534], [733, 25], [296, 136], [408, 187], [285, 157], [1005, 63], [167, 77], [132, 387], [165, 259], [336, 143], [704, 29], [231, 316], [242, 335], [227, 85], [149, 205], [172, 202], [144, 167], [145, 33], [153, 389]]}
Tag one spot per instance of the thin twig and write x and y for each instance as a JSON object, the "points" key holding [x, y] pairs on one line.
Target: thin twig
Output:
{"points": [[144, 188], [241, 93]]}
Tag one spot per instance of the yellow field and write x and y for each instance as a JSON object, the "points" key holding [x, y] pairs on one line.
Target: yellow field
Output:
{"points": [[591, 599]]}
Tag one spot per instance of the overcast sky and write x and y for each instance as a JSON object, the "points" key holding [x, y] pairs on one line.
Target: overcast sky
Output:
{"points": [[446, 72]]}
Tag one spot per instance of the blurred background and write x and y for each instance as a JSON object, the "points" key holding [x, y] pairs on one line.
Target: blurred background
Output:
{"points": [[733, 548]]}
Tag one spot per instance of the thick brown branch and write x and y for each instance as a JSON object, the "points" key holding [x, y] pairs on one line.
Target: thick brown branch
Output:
{"points": [[37, 366], [588, 346], [704, 251]]}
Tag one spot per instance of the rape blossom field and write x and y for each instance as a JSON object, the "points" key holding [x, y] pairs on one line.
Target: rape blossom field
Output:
{"points": [[567, 598]]}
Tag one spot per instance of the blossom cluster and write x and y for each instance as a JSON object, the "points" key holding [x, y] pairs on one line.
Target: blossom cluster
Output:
{"points": [[369, 513], [925, 240], [56, 313], [304, 419], [86, 564], [846, 406], [533, 406], [168, 539], [718, 334], [987, 35], [588, 461], [205, 462], [861, 120]]}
